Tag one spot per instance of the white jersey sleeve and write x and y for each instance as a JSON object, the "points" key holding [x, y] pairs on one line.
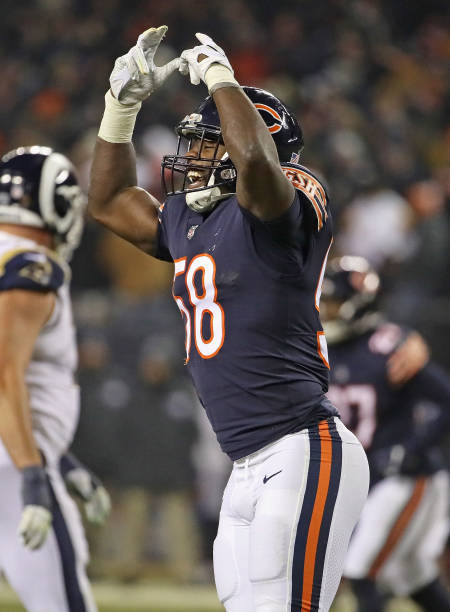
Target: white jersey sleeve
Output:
{"points": [[53, 394]]}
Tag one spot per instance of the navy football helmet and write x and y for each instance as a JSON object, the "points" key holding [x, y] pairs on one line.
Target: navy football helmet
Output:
{"points": [[39, 188], [204, 124], [349, 299]]}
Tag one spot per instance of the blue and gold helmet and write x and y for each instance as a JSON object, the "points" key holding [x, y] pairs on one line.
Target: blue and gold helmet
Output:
{"points": [[39, 188], [204, 125]]}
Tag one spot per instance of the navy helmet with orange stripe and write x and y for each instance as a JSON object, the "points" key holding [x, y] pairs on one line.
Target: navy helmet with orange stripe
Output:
{"points": [[204, 125]]}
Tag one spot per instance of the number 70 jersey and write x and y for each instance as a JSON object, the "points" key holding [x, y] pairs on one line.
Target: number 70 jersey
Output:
{"points": [[249, 295]]}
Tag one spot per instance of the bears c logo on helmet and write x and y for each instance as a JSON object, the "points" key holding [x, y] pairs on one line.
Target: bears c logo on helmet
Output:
{"points": [[275, 127]]}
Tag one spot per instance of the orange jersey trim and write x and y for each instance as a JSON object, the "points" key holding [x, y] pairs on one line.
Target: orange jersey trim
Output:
{"points": [[318, 291], [319, 349]]}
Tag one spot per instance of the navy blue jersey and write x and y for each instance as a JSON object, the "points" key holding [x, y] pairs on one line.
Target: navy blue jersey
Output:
{"points": [[415, 415], [249, 291]]}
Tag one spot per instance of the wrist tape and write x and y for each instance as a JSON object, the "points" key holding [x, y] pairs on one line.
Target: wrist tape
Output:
{"points": [[218, 76], [118, 120], [35, 490]]}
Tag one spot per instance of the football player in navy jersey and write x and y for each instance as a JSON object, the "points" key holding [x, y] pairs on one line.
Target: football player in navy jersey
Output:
{"points": [[248, 229], [404, 525]]}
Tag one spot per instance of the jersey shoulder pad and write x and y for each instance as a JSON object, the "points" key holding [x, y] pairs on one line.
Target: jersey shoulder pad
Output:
{"points": [[32, 269], [311, 188]]}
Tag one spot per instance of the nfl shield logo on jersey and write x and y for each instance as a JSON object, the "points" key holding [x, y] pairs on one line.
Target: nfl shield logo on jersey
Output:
{"points": [[191, 231]]}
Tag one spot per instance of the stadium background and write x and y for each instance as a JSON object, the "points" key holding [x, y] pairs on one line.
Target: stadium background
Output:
{"points": [[368, 80]]}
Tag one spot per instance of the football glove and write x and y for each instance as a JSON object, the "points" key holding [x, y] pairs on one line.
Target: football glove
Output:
{"points": [[36, 516], [197, 69], [135, 76], [87, 487]]}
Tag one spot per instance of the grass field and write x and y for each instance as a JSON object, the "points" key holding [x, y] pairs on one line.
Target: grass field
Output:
{"points": [[161, 597], [154, 597]]}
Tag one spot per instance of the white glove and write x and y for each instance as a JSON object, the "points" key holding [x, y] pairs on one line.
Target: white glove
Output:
{"points": [[36, 516], [198, 69], [98, 507], [96, 500], [135, 76], [34, 526]]}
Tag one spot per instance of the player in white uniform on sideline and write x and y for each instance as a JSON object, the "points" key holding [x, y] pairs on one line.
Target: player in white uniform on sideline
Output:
{"points": [[43, 551]]}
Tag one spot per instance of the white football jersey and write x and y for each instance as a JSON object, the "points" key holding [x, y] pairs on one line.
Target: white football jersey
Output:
{"points": [[53, 394]]}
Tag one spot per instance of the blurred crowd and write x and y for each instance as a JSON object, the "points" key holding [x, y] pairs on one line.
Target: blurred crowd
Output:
{"points": [[368, 80]]}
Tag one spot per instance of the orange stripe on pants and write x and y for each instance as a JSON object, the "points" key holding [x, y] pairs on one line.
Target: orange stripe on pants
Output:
{"points": [[317, 514], [398, 528]]}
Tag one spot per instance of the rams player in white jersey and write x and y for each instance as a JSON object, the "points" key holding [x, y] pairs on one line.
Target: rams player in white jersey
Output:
{"points": [[43, 551]]}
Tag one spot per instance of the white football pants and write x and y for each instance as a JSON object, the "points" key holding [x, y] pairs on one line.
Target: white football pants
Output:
{"points": [[402, 533], [53, 578], [287, 515]]}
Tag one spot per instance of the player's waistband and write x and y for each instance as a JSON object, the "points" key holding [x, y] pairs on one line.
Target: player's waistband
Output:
{"points": [[330, 424]]}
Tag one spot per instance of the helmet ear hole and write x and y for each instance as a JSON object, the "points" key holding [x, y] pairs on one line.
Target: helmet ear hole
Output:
{"points": [[61, 205]]}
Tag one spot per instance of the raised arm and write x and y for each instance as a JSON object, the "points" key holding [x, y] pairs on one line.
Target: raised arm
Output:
{"points": [[261, 186], [114, 199]]}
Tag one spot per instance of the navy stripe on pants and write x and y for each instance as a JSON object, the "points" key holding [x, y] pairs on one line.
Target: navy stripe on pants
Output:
{"points": [[74, 594]]}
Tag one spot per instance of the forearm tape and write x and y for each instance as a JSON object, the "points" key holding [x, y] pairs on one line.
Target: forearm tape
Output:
{"points": [[118, 120], [218, 76]]}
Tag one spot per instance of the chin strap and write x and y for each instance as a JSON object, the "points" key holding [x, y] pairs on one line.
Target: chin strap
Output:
{"points": [[206, 199]]}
